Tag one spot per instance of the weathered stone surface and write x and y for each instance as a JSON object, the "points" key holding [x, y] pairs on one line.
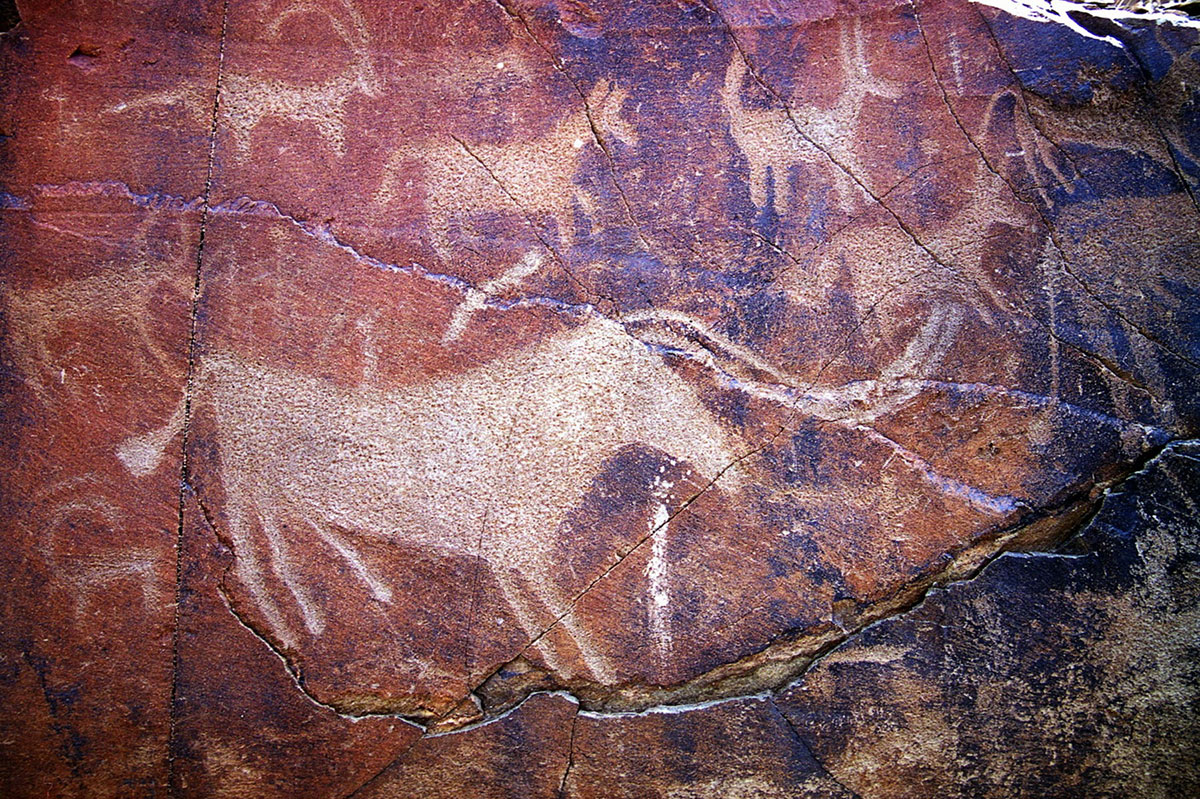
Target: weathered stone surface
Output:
{"points": [[1048, 675], [270, 738], [529, 365], [95, 314]]}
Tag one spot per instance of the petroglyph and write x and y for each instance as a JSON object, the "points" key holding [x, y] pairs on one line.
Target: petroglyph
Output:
{"points": [[127, 299], [855, 406], [80, 504], [247, 97], [192, 101], [860, 402], [476, 298], [537, 175], [657, 570], [515, 443], [770, 141]]}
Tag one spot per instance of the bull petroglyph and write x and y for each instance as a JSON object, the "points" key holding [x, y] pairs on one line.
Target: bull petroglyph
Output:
{"points": [[514, 445]]}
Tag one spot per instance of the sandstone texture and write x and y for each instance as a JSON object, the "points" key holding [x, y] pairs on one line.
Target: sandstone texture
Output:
{"points": [[689, 398]]}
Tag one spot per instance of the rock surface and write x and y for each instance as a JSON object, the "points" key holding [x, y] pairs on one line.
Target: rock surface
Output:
{"points": [[585, 399]]}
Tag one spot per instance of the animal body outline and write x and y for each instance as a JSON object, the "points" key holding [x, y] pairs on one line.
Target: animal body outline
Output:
{"points": [[246, 98], [776, 139], [539, 422], [537, 176]]}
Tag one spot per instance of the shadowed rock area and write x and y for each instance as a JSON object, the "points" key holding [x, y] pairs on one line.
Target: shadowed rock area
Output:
{"points": [[684, 398]]}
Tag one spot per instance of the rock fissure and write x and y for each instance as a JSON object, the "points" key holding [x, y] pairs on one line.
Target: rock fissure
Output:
{"points": [[172, 731], [808, 749], [785, 661], [562, 783], [295, 672]]}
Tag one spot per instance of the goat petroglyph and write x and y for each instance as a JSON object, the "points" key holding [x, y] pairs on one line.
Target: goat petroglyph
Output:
{"points": [[248, 98]]}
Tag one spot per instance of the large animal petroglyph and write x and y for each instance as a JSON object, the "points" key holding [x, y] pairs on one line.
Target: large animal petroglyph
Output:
{"points": [[486, 464]]}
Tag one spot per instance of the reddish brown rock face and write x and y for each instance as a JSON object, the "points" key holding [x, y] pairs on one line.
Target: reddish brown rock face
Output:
{"points": [[370, 369]]}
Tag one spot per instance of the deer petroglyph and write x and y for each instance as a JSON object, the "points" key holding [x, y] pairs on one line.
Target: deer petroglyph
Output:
{"points": [[511, 446]]}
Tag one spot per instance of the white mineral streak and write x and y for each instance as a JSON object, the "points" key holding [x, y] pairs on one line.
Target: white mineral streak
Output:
{"points": [[1057, 10], [656, 571]]}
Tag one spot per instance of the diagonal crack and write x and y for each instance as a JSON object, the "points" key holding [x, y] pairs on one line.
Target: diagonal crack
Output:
{"points": [[367, 783], [875, 197], [822, 243], [562, 262], [808, 749], [601, 142], [561, 68]]}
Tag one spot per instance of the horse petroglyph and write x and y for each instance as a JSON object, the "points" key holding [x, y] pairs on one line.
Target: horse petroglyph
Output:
{"points": [[516, 443]]}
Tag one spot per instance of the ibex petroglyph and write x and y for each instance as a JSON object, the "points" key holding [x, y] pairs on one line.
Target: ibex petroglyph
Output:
{"points": [[779, 138], [486, 464], [246, 98]]}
